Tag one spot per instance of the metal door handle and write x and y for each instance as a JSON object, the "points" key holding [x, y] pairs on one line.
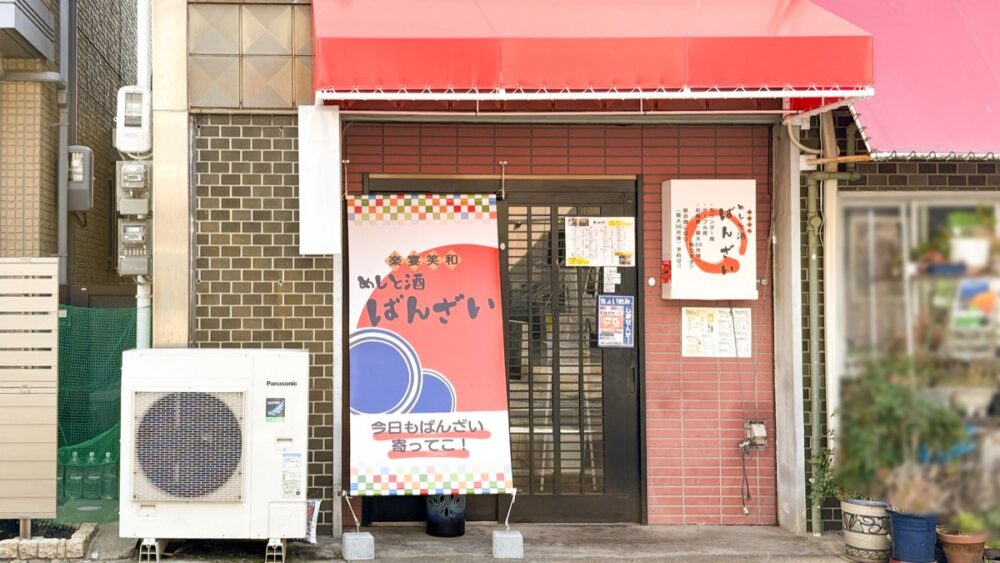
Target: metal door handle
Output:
{"points": [[633, 382]]}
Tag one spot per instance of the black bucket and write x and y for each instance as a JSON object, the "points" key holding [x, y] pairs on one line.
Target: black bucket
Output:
{"points": [[446, 516]]}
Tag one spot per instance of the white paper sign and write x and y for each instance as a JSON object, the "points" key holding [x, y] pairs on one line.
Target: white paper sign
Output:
{"points": [[600, 241], [709, 239], [715, 332]]}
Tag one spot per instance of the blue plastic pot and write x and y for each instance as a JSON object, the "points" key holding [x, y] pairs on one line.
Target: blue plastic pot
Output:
{"points": [[913, 536]]}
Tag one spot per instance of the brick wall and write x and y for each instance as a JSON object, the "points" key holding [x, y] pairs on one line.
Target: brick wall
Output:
{"points": [[252, 288], [695, 407], [29, 143], [105, 56], [28, 149]]}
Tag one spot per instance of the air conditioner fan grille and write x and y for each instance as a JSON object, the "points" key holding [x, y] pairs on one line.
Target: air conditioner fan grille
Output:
{"points": [[189, 446]]}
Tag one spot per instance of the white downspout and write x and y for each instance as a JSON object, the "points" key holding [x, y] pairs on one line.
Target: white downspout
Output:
{"points": [[143, 284], [143, 312]]}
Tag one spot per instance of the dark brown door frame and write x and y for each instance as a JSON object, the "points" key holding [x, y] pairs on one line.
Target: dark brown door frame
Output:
{"points": [[491, 183]]}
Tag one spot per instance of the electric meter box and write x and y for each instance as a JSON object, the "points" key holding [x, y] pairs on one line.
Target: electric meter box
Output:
{"points": [[133, 129], [132, 182], [134, 246], [80, 178]]}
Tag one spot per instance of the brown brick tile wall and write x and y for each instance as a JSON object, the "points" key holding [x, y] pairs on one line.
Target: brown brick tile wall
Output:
{"points": [[253, 289], [694, 407], [105, 61], [28, 149]]}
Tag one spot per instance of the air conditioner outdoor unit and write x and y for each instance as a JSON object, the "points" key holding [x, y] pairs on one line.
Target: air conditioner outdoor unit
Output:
{"points": [[214, 444]]}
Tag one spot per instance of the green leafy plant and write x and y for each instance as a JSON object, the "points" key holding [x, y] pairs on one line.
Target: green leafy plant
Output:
{"points": [[822, 484], [934, 250], [884, 420], [967, 523]]}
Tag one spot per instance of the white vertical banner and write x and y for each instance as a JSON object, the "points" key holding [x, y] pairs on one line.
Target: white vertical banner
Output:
{"points": [[428, 385], [709, 239], [320, 197]]}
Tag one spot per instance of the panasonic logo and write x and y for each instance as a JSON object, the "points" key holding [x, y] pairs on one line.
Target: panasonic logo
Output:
{"points": [[282, 383]]}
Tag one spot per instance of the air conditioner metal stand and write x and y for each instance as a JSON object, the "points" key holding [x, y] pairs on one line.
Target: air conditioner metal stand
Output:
{"points": [[275, 551], [150, 550]]}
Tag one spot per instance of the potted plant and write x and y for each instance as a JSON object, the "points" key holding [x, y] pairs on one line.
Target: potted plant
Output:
{"points": [[916, 499], [971, 235], [965, 540], [865, 522], [885, 425], [866, 529]]}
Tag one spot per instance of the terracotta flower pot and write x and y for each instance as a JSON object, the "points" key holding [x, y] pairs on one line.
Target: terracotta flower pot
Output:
{"points": [[866, 531], [962, 548]]}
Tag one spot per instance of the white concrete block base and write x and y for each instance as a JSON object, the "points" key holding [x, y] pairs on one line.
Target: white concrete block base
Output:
{"points": [[357, 546], [508, 545]]}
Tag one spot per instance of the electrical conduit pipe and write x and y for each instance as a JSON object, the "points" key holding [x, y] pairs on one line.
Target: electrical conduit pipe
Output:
{"points": [[143, 285], [814, 224]]}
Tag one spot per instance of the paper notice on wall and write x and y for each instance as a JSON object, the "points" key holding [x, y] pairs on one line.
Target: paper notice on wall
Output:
{"points": [[612, 277], [616, 321], [715, 332], [600, 241]]}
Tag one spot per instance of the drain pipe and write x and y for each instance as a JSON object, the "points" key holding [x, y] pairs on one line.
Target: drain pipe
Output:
{"points": [[814, 226], [63, 164], [143, 284], [143, 313]]}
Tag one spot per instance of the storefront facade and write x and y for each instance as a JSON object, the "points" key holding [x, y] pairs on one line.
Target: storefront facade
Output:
{"points": [[645, 434], [692, 409]]}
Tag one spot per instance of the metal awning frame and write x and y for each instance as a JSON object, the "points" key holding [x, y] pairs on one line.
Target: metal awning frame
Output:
{"points": [[543, 94]]}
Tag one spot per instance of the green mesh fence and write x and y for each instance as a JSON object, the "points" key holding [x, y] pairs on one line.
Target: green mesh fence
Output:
{"points": [[91, 342]]}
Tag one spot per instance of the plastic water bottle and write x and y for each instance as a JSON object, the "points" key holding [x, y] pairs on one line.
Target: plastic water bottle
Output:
{"points": [[109, 477], [60, 482], [74, 478], [91, 477]]}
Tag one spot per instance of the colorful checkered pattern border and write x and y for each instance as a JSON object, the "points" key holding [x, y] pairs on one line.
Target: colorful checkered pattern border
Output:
{"points": [[431, 480], [414, 208]]}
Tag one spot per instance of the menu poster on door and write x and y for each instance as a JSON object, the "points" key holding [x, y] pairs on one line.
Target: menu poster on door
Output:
{"points": [[600, 241], [428, 386], [615, 321], [715, 332], [709, 239]]}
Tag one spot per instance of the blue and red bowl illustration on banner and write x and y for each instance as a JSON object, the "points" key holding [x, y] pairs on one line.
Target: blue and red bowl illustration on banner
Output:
{"points": [[430, 337]]}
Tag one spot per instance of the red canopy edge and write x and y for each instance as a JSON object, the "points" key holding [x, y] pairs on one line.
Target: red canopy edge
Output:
{"points": [[535, 50]]}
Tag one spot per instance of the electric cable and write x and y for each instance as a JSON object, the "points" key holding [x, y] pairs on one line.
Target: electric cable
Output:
{"points": [[745, 495]]}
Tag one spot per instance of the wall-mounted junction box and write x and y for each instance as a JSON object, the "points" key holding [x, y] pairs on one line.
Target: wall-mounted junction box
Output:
{"points": [[134, 245], [133, 129], [132, 183], [81, 178]]}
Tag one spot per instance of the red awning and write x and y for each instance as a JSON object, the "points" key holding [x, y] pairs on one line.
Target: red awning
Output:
{"points": [[586, 49], [938, 81]]}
